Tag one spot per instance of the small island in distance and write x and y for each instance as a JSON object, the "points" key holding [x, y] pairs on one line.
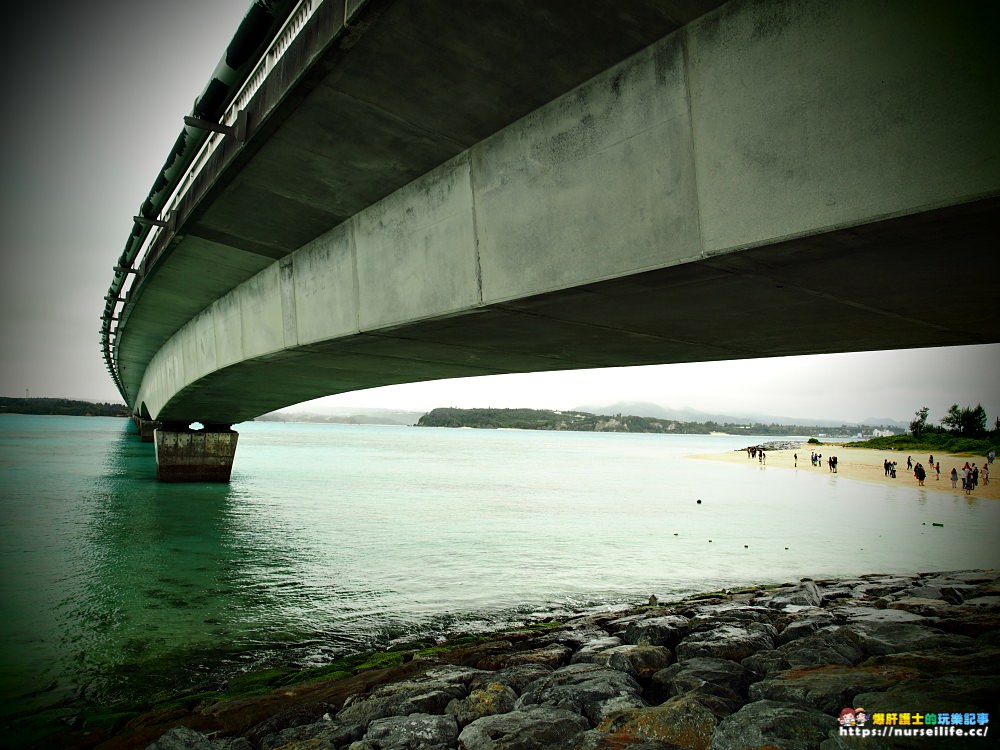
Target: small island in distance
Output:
{"points": [[581, 421]]}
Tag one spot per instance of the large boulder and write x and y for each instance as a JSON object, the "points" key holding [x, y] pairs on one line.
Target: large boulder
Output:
{"points": [[666, 631], [838, 646], [826, 688], [721, 678], [590, 652], [429, 694], [806, 594], [773, 724], [879, 638], [182, 738], [586, 689], [598, 740], [318, 734], [639, 661], [686, 720], [727, 641], [413, 732], [494, 698], [536, 728], [553, 655]]}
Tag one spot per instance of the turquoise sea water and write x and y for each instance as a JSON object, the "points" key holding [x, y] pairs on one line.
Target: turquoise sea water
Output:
{"points": [[332, 539]]}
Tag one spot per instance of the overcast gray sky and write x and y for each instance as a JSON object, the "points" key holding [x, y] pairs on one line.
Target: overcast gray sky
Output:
{"points": [[95, 95]]}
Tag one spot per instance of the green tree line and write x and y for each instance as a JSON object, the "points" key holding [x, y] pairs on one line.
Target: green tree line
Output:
{"points": [[961, 430], [61, 406]]}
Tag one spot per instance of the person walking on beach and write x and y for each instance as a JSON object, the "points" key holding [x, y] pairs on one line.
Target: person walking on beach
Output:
{"points": [[909, 462], [920, 474], [795, 457], [937, 471], [954, 477]]}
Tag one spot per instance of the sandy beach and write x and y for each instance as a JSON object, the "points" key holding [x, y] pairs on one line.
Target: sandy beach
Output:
{"points": [[867, 465]]}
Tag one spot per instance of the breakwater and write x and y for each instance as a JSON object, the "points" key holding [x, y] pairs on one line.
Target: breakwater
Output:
{"points": [[875, 661]]}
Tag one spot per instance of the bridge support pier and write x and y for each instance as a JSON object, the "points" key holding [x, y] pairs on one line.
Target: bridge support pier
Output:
{"points": [[146, 429], [186, 455]]}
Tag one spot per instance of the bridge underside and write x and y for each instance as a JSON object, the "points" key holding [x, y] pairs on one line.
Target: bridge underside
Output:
{"points": [[916, 281], [436, 190]]}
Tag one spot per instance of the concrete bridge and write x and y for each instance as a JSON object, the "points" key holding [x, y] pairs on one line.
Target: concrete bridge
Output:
{"points": [[388, 191]]}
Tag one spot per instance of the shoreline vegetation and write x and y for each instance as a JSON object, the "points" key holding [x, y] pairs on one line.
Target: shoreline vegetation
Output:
{"points": [[754, 666]]}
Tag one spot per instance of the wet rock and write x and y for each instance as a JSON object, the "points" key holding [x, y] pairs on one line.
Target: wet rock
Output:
{"points": [[922, 607], [554, 655], [296, 716], [838, 646], [494, 698], [958, 693], [827, 688], [598, 740], [730, 612], [588, 652], [874, 614], [806, 594], [972, 624], [536, 728], [321, 734], [878, 638], [666, 631], [429, 695], [580, 637], [879, 586], [773, 724], [413, 732], [517, 678], [807, 623], [686, 720], [983, 661], [182, 738], [727, 641], [586, 689], [722, 678], [639, 661]]}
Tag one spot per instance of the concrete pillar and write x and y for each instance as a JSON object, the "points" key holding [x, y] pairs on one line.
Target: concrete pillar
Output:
{"points": [[184, 455], [146, 429]]}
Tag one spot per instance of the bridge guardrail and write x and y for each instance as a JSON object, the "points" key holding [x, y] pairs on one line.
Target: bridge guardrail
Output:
{"points": [[192, 151]]}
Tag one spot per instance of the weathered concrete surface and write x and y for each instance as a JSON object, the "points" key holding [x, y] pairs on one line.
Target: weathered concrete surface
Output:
{"points": [[766, 165], [194, 456]]}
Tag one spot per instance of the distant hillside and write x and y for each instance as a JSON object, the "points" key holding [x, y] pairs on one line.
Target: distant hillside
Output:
{"points": [[543, 419], [62, 406]]}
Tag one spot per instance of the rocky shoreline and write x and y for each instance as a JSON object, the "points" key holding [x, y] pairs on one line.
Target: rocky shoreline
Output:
{"points": [[759, 667]]}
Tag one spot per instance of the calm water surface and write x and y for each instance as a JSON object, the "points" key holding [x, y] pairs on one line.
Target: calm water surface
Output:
{"points": [[332, 539]]}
